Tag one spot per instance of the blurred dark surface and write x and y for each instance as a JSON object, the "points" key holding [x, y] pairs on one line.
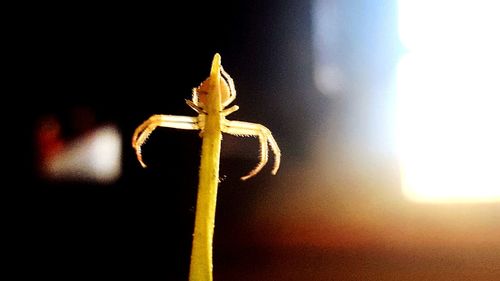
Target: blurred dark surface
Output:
{"points": [[127, 62]]}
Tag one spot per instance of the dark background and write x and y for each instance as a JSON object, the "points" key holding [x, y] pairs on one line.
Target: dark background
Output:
{"points": [[314, 220], [125, 62]]}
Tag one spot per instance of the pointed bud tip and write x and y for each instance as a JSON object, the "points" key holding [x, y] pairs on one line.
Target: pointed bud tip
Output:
{"points": [[215, 65]]}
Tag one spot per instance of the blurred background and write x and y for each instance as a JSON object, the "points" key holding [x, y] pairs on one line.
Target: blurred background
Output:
{"points": [[386, 114]]}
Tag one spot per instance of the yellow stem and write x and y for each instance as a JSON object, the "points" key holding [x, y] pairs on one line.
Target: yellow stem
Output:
{"points": [[201, 254]]}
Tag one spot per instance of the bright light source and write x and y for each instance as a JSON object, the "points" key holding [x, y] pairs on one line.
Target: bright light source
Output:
{"points": [[95, 157], [448, 104]]}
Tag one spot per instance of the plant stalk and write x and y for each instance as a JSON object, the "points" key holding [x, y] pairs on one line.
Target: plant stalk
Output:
{"points": [[201, 267]]}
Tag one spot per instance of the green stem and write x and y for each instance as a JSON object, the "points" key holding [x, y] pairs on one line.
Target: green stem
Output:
{"points": [[201, 254]]}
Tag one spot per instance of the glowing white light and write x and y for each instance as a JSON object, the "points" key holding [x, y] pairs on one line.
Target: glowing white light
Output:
{"points": [[448, 105], [105, 153], [95, 157]]}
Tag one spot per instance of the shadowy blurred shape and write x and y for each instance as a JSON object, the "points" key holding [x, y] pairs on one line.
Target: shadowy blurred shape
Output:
{"points": [[89, 153]]}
